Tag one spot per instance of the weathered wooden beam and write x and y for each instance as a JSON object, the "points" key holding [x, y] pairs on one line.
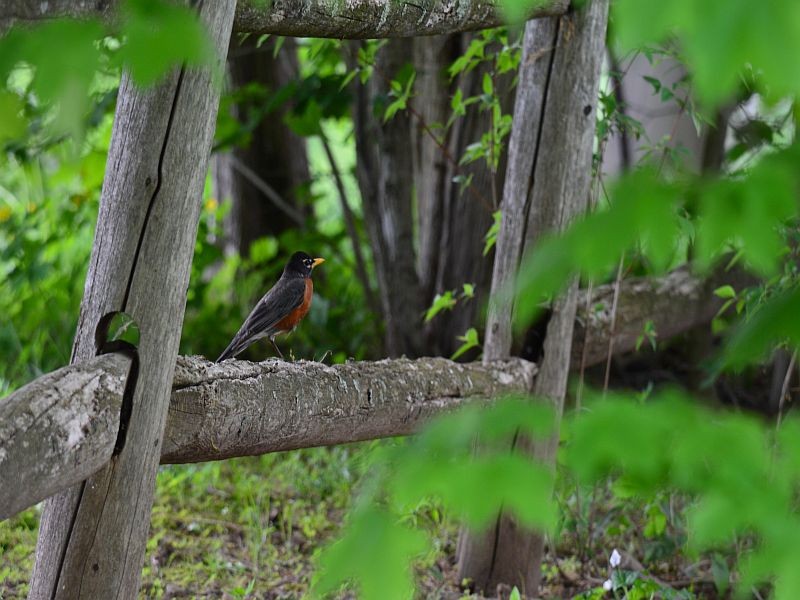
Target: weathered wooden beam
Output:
{"points": [[92, 537], [353, 19], [674, 303], [243, 408], [58, 430], [61, 428], [559, 184]]}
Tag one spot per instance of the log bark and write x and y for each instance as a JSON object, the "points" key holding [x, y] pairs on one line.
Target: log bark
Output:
{"points": [[58, 430], [475, 549], [534, 72], [360, 19], [245, 409], [674, 303], [560, 184], [92, 537], [61, 428]]}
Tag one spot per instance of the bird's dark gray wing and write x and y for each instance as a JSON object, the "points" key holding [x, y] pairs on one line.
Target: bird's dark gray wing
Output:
{"points": [[284, 297]]}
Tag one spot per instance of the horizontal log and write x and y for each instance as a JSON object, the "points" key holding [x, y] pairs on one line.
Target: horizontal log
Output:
{"points": [[675, 303], [241, 408], [59, 429], [350, 19]]}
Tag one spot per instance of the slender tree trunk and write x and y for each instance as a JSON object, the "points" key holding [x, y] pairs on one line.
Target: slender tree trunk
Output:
{"points": [[92, 537], [384, 176], [432, 56], [274, 154], [559, 187], [467, 213]]}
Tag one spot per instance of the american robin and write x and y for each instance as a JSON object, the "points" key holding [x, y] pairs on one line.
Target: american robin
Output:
{"points": [[281, 308]]}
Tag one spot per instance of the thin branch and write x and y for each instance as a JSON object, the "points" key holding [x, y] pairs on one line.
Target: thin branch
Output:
{"points": [[352, 230], [267, 190], [610, 353], [785, 387]]}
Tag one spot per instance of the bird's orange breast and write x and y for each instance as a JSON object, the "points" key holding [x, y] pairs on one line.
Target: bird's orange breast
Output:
{"points": [[291, 320]]}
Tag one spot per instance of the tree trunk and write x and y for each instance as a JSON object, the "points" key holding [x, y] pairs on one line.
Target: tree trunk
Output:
{"points": [[384, 170], [467, 213], [92, 537], [274, 154], [560, 181], [432, 56], [451, 223]]}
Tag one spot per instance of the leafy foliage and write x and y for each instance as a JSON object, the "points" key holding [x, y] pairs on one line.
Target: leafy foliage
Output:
{"points": [[746, 492], [63, 78], [742, 477], [441, 463], [721, 40]]}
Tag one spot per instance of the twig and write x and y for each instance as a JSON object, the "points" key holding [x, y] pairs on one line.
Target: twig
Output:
{"points": [[267, 190], [785, 387], [350, 223], [614, 303]]}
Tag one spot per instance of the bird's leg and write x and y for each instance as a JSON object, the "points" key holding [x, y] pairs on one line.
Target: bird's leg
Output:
{"points": [[274, 345]]}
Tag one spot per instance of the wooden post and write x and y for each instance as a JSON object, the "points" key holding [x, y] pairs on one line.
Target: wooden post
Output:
{"points": [[92, 537], [558, 90]]}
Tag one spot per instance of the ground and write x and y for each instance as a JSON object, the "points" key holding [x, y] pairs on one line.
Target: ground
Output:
{"points": [[250, 527]]}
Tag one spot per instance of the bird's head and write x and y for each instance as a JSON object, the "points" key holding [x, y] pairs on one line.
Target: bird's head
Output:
{"points": [[302, 264]]}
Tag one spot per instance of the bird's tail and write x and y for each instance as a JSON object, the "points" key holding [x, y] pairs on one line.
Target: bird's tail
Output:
{"points": [[234, 348]]}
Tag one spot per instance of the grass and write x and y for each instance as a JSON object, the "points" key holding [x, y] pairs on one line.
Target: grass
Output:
{"points": [[224, 529], [250, 528]]}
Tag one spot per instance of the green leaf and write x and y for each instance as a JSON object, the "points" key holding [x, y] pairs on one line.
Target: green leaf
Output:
{"points": [[490, 239], [777, 320], [440, 302], [488, 86], [160, 36], [470, 339], [720, 39], [725, 291], [442, 463], [306, 122], [656, 522], [375, 552], [61, 77], [748, 213], [468, 290], [12, 121], [391, 110]]}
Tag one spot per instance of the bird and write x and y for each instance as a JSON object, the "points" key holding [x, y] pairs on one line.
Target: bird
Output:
{"points": [[280, 309]]}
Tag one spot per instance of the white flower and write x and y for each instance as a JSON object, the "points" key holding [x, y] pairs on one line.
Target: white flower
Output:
{"points": [[607, 585], [615, 559]]}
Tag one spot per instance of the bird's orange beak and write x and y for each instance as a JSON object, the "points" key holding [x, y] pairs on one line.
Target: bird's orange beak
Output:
{"points": [[317, 261]]}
